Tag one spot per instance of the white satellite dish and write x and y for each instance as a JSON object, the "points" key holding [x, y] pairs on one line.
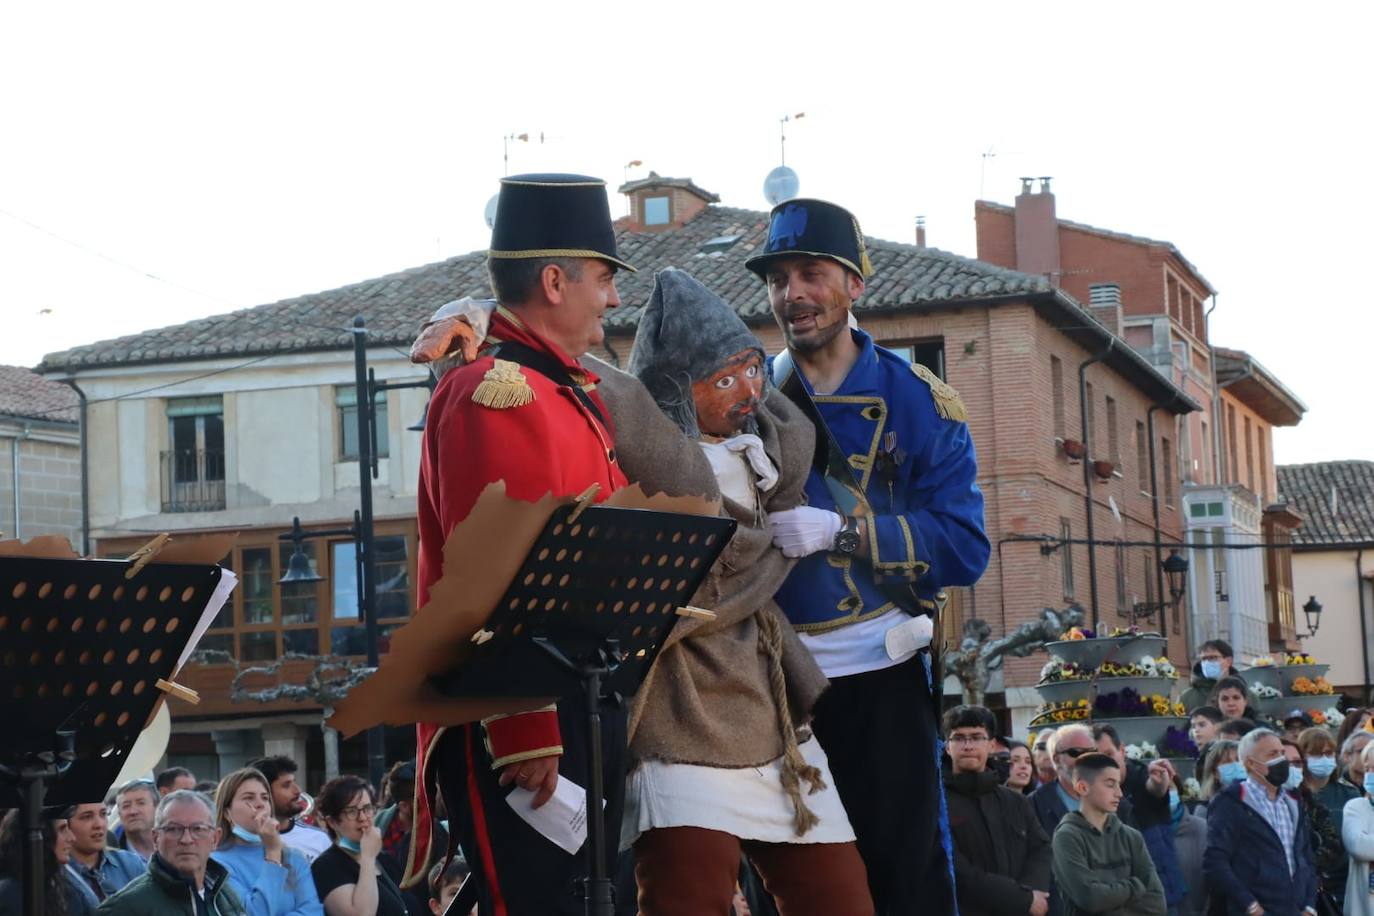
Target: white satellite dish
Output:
{"points": [[491, 210], [781, 184]]}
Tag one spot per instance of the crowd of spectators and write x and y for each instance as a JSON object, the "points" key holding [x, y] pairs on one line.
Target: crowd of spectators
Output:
{"points": [[249, 844], [1278, 819]]}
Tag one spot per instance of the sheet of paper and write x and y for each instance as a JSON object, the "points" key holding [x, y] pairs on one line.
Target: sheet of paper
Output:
{"points": [[562, 819], [227, 581]]}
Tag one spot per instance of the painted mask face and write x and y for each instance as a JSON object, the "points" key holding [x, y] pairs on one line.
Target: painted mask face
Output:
{"points": [[727, 397]]}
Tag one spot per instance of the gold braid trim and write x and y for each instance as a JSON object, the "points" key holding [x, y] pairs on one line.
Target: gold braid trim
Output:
{"points": [[794, 765], [948, 404], [504, 386]]}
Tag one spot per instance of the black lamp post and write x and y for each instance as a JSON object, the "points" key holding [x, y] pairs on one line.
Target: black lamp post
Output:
{"points": [[1312, 610], [366, 387], [1176, 572]]}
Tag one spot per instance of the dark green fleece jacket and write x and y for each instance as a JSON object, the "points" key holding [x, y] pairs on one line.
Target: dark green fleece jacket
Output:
{"points": [[1107, 871]]}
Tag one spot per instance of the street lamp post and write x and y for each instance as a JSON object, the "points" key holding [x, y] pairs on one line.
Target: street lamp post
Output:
{"points": [[366, 387], [1312, 612], [1175, 569]]}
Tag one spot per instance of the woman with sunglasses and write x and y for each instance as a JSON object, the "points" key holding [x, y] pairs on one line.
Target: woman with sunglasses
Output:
{"points": [[348, 877], [271, 878]]}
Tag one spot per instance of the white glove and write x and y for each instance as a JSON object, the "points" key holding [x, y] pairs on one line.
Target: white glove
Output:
{"points": [[804, 530]]}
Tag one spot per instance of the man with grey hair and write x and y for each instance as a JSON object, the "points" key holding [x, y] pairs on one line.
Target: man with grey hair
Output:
{"points": [[1259, 847], [182, 879], [135, 803], [1055, 799]]}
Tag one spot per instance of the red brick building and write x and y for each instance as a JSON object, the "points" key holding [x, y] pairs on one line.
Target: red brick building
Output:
{"points": [[1153, 297]]}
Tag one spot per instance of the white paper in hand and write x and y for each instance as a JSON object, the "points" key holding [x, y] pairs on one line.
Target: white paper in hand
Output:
{"points": [[563, 818], [909, 637]]}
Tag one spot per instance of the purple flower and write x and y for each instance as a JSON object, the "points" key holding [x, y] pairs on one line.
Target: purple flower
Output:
{"points": [[1177, 743]]}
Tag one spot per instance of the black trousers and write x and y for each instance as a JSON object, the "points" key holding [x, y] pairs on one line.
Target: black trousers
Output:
{"points": [[880, 733], [533, 877]]}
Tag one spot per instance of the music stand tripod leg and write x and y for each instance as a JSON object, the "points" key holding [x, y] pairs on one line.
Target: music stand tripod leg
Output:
{"points": [[598, 893]]}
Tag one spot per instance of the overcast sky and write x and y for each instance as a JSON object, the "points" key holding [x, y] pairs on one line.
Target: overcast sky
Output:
{"points": [[160, 163]]}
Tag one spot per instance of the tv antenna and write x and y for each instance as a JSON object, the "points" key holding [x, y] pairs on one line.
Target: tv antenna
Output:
{"points": [[782, 134]]}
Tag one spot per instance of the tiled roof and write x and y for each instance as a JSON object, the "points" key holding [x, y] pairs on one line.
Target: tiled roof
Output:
{"points": [[1119, 236], [395, 305], [1260, 389], [1336, 499], [27, 395]]}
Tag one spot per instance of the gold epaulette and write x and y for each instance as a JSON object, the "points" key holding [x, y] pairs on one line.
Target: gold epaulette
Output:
{"points": [[504, 386], [948, 404]]}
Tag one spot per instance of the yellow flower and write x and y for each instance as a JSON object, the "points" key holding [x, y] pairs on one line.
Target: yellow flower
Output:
{"points": [[1180, 710]]}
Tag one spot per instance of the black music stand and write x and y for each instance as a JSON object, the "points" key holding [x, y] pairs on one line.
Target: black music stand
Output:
{"points": [[595, 599], [84, 649]]}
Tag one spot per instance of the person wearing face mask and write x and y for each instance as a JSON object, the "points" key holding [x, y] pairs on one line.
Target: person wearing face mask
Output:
{"points": [[1357, 834], [1320, 783], [1327, 851], [1219, 768], [1259, 847], [348, 876], [271, 878], [1214, 662], [1190, 842]]}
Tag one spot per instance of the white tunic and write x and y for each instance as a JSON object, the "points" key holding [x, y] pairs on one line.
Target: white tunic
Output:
{"points": [[749, 802]]}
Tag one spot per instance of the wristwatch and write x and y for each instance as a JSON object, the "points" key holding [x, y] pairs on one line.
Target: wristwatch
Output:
{"points": [[847, 538]]}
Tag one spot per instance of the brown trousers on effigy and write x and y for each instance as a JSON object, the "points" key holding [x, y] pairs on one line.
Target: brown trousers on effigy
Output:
{"points": [[691, 871]]}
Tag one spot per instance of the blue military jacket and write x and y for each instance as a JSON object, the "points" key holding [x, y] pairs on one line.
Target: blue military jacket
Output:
{"points": [[902, 431]]}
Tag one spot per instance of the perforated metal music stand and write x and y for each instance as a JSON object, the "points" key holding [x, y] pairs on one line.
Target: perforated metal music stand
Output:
{"points": [[598, 594], [81, 651]]}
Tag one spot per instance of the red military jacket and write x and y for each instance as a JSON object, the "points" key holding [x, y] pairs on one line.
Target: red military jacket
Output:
{"points": [[494, 420]]}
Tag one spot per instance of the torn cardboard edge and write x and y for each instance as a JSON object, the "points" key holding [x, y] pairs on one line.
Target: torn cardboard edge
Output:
{"points": [[481, 556], [195, 550]]}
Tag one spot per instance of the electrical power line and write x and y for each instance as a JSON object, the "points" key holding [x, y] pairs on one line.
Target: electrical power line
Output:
{"points": [[116, 261]]}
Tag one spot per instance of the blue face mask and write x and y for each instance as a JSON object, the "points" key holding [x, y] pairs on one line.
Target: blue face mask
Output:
{"points": [[352, 846], [1321, 767], [1211, 669], [246, 835], [1369, 784], [1174, 801], [1294, 777], [1231, 773]]}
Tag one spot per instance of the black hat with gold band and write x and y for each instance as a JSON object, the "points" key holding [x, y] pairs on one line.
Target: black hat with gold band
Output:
{"points": [[817, 228], [554, 216]]}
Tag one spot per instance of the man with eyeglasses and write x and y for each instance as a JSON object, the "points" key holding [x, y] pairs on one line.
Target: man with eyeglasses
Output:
{"points": [[1055, 799], [136, 803], [1001, 854], [182, 879]]}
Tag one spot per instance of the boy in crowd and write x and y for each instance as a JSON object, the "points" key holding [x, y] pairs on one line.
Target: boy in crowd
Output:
{"points": [[1203, 723], [444, 884], [1100, 864]]}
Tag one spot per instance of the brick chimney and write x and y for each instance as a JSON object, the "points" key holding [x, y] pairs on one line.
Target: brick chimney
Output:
{"points": [[920, 232], [1104, 301], [1037, 231], [658, 203]]}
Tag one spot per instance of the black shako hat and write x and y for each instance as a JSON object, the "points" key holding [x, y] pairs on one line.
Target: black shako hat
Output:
{"points": [[817, 228], [553, 216]]}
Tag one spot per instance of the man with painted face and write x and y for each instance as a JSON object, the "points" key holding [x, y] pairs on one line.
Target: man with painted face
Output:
{"points": [[719, 766], [1259, 848], [894, 516]]}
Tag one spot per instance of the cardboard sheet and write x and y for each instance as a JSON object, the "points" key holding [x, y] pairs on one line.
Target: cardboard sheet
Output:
{"points": [[481, 556]]}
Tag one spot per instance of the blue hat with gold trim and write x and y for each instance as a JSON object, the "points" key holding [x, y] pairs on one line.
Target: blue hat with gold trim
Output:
{"points": [[554, 216], [816, 228]]}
